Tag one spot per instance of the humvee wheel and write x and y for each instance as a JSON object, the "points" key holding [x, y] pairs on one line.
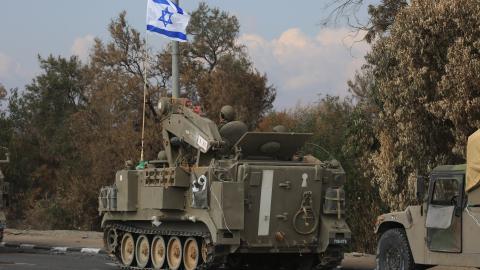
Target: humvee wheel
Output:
{"points": [[158, 252], [142, 251], [190, 254], [393, 251], [127, 249], [174, 253]]}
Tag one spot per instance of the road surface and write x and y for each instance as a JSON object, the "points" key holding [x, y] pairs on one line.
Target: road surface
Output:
{"points": [[16, 259]]}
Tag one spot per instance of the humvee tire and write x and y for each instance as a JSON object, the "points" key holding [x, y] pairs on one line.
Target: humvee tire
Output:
{"points": [[393, 251]]}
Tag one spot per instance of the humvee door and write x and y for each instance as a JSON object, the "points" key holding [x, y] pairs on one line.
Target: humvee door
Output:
{"points": [[444, 215]]}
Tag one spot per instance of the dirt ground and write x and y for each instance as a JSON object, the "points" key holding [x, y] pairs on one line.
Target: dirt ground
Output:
{"points": [[54, 238]]}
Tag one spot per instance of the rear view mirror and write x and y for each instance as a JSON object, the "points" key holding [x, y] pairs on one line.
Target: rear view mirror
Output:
{"points": [[420, 188]]}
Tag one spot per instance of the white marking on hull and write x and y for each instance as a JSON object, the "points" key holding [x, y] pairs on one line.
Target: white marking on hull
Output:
{"points": [[304, 182], [265, 203]]}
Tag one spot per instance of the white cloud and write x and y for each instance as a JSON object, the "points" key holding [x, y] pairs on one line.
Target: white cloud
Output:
{"points": [[11, 72], [81, 46], [8, 66], [302, 67]]}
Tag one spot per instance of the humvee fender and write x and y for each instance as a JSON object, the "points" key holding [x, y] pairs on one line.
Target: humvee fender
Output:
{"points": [[388, 221], [396, 233]]}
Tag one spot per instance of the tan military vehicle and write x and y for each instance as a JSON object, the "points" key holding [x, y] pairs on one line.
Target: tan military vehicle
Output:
{"points": [[225, 197], [3, 195], [445, 228]]}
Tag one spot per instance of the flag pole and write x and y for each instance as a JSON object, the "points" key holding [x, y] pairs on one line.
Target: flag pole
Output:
{"points": [[145, 63], [175, 67]]}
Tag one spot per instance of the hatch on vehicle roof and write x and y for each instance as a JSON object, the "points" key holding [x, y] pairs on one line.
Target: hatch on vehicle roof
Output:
{"points": [[281, 145]]}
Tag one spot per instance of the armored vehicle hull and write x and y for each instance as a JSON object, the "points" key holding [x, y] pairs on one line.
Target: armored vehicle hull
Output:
{"points": [[239, 209]]}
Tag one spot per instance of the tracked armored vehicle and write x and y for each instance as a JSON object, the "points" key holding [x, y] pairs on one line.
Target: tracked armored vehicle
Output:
{"points": [[225, 198], [4, 191]]}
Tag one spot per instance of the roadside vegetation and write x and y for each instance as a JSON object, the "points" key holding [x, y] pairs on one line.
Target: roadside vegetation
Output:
{"points": [[411, 107]]}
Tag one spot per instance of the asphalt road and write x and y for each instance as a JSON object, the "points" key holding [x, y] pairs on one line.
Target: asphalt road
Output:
{"points": [[18, 259], [15, 259]]}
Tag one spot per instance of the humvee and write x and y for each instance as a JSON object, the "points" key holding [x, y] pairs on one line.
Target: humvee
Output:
{"points": [[444, 229]]}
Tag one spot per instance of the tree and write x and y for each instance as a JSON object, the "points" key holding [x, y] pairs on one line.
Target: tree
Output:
{"points": [[215, 35], [41, 148], [108, 131], [423, 95], [3, 92], [382, 15], [235, 82], [217, 69]]}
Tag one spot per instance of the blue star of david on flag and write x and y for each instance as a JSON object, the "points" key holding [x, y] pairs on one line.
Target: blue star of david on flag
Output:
{"points": [[166, 14], [167, 19]]}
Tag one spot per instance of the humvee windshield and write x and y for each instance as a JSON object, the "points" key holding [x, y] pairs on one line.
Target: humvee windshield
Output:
{"points": [[445, 192]]}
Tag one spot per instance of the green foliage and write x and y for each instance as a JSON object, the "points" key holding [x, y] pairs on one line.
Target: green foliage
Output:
{"points": [[222, 72], [382, 16], [418, 95], [236, 83], [3, 92], [39, 142], [215, 34]]}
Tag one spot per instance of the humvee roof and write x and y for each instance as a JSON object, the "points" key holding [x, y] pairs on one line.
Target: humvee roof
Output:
{"points": [[449, 168]]}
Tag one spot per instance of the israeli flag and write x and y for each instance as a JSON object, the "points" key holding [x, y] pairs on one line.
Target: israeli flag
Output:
{"points": [[168, 19]]}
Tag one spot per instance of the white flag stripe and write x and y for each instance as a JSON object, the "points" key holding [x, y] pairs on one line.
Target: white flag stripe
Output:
{"points": [[167, 19]]}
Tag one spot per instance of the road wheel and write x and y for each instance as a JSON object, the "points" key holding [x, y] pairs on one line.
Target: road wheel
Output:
{"points": [[158, 252], [127, 249], [174, 253], [142, 251], [393, 251], [190, 254]]}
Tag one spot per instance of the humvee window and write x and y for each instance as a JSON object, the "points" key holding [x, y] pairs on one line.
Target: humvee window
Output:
{"points": [[445, 192]]}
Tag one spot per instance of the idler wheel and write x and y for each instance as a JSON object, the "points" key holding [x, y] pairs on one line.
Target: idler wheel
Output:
{"points": [[174, 253], [204, 252], [110, 240], [190, 254], [127, 249], [142, 251], [158, 252]]}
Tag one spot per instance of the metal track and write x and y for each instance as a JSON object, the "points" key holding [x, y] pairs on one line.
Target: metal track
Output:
{"points": [[212, 260]]}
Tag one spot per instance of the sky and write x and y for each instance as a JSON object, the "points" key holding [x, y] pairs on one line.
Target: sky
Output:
{"points": [[302, 58]]}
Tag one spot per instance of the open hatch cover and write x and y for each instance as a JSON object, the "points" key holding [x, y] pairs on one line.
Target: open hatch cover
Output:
{"points": [[278, 144]]}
